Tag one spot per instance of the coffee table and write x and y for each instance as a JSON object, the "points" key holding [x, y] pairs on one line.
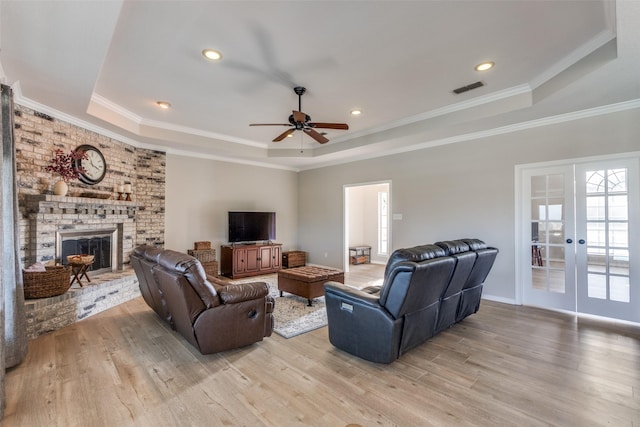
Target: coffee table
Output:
{"points": [[308, 281]]}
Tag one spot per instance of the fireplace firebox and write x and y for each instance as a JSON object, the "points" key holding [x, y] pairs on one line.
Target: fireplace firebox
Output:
{"points": [[102, 244]]}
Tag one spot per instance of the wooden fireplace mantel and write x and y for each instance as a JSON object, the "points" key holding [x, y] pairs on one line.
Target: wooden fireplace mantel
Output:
{"points": [[38, 203]]}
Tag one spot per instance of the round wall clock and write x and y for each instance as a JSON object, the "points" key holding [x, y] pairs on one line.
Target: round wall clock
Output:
{"points": [[95, 166]]}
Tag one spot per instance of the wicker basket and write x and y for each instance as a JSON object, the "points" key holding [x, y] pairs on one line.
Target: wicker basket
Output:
{"points": [[204, 255], [210, 267], [44, 284], [198, 246]]}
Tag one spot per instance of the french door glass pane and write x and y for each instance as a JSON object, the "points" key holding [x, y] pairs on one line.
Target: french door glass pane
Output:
{"points": [[597, 286], [595, 234], [618, 234], [619, 286], [556, 232], [597, 260], [556, 186], [539, 279], [619, 261], [556, 281], [555, 256], [618, 209], [595, 182], [617, 180], [595, 208], [538, 186]]}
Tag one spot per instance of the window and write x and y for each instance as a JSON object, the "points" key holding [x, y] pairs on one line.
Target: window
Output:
{"points": [[383, 223]]}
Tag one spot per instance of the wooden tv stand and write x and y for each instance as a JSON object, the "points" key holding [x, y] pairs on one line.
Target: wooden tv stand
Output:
{"points": [[244, 260]]}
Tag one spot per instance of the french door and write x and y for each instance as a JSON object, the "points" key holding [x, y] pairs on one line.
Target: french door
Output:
{"points": [[579, 236]]}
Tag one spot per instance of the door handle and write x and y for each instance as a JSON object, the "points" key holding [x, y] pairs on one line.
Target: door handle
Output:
{"points": [[569, 241], [581, 241]]}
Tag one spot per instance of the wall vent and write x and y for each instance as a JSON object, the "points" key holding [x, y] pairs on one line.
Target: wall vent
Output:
{"points": [[468, 87]]}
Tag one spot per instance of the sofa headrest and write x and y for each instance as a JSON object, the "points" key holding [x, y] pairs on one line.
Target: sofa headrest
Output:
{"points": [[414, 254], [452, 247], [475, 244], [191, 268], [148, 252]]}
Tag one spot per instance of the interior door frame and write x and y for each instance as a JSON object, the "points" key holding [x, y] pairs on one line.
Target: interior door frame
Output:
{"points": [[346, 213], [522, 251]]}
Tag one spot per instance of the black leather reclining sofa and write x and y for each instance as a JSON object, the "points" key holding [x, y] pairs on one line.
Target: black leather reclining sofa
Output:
{"points": [[426, 289]]}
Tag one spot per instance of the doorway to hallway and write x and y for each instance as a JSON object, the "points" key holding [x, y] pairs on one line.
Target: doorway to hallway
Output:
{"points": [[367, 221]]}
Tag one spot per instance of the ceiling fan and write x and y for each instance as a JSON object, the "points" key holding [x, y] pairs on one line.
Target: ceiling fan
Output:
{"points": [[301, 121]]}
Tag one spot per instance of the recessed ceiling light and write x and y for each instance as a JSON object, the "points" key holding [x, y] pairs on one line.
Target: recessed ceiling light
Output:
{"points": [[164, 104], [211, 54], [290, 135], [356, 112], [484, 66]]}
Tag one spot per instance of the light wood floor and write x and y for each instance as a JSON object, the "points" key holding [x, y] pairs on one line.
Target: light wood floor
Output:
{"points": [[505, 365]]}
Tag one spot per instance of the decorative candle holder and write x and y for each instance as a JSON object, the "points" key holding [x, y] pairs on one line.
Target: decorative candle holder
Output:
{"points": [[120, 191], [128, 198]]}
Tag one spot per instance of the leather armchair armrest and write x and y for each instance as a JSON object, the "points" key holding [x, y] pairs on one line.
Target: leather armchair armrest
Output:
{"points": [[233, 294], [215, 280], [348, 292]]}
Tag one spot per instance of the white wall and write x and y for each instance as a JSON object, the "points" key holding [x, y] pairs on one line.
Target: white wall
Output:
{"points": [[200, 192], [457, 190]]}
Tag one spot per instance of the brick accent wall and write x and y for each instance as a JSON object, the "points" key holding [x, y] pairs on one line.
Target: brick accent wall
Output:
{"points": [[38, 135]]}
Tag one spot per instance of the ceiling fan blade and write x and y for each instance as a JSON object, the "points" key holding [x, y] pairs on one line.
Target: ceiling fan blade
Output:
{"points": [[315, 135], [284, 134], [299, 117], [270, 124], [342, 126]]}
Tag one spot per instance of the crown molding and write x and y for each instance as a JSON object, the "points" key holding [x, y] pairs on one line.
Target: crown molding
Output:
{"points": [[187, 153], [531, 124], [547, 121], [36, 106]]}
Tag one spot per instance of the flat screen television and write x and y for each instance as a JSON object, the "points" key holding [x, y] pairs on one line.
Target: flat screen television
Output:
{"points": [[252, 226]]}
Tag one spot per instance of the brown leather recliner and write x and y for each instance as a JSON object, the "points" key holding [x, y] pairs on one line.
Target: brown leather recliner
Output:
{"points": [[210, 314]]}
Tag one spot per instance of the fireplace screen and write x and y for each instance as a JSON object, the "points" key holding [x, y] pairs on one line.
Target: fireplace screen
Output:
{"points": [[101, 244]]}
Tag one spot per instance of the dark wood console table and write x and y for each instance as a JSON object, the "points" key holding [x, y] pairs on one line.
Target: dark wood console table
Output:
{"points": [[241, 260]]}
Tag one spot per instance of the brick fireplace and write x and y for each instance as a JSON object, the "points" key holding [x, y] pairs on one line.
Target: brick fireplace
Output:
{"points": [[54, 220], [51, 218], [46, 220]]}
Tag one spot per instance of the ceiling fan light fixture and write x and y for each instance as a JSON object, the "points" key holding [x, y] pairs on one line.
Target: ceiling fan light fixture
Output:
{"points": [[356, 112], [163, 104], [212, 55], [484, 66]]}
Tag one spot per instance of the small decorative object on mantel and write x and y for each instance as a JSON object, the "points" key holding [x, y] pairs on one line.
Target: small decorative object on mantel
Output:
{"points": [[120, 190], [124, 192], [63, 165], [94, 195], [127, 191]]}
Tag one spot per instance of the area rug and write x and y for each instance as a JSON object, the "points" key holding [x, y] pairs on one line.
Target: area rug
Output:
{"points": [[292, 316]]}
